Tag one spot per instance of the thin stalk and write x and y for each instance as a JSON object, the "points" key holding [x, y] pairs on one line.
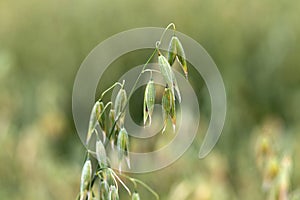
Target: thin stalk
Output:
{"points": [[124, 185], [163, 34], [108, 89], [108, 104], [134, 181], [147, 187], [116, 183]]}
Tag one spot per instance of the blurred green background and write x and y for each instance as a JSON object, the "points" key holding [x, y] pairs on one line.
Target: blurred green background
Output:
{"points": [[255, 44]]}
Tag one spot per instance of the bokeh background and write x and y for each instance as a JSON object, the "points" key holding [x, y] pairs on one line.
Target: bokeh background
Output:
{"points": [[255, 44]]}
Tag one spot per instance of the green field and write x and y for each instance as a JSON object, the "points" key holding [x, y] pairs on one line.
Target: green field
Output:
{"points": [[255, 45]]}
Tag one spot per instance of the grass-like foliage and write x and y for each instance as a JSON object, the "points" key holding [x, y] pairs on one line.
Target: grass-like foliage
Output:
{"points": [[274, 163]]}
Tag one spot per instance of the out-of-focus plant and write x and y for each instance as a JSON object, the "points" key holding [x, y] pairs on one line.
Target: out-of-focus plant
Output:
{"points": [[274, 165], [111, 124]]}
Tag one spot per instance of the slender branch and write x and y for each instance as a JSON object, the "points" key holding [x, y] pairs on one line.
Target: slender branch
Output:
{"points": [[147, 187], [116, 183], [124, 185], [134, 181], [108, 89], [163, 34], [108, 104], [129, 178]]}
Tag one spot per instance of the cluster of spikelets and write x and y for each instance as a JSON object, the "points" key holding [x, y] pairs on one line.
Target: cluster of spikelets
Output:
{"points": [[168, 100], [111, 124], [274, 167]]}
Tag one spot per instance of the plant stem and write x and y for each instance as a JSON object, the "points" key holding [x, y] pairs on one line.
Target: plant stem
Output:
{"points": [[147, 187], [124, 185], [134, 181], [108, 89], [163, 34]]}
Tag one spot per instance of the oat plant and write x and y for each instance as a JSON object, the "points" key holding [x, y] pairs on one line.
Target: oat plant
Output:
{"points": [[100, 181], [274, 165]]}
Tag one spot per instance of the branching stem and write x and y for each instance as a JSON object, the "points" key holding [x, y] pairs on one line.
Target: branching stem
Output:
{"points": [[133, 180]]}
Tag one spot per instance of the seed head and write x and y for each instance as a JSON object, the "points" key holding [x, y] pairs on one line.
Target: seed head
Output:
{"points": [[149, 101], [101, 117], [172, 53], [119, 106], [123, 147], [114, 136], [93, 121], [112, 117], [101, 154], [176, 50], [168, 105], [175, 85], [181, 57], [165, 70], [86, 177]]}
